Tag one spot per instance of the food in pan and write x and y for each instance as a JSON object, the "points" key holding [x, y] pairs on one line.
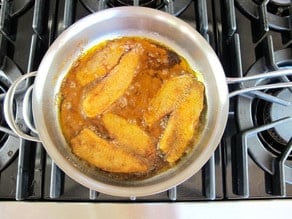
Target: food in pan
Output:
{"points": [[130, 136], [131, 106], [181, 123], [168, 97], [103, 94], [105, 154]]}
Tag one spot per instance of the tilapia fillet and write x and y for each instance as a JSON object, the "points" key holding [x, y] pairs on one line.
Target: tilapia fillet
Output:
{"points": [[181, 125], [129, 136], [100, 63], [112, 87], [168, 97], [105, 155]]}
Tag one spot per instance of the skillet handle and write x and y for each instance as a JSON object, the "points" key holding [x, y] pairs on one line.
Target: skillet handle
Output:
{"points": [[8, 109], [267, 75]]}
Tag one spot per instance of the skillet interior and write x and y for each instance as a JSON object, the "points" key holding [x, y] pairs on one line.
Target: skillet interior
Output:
{"points": [[108, 24]]}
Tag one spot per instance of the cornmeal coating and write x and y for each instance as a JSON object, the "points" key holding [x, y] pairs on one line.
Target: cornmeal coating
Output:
{"points": [[182, 123], [112, 87], [100, 63], [129, 135], [105, 155], [168, 97]]}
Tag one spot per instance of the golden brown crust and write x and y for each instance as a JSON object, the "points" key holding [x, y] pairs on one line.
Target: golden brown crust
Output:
{"points": [[99, 63], [105, 155], [182, 123], [129, 136], [168, 97], [112, 87]]}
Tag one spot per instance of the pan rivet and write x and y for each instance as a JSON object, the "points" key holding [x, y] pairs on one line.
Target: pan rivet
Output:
{"points": [[10, 153]]}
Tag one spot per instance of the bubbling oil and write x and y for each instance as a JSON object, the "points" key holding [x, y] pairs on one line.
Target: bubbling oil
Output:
{"points": [[157, 64]]}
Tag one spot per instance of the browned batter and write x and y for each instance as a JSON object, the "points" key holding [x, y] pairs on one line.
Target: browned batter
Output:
{"points": [[131, 106]]}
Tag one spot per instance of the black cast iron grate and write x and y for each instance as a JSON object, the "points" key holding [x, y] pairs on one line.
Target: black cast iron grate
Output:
{"points": [[266, 48]]}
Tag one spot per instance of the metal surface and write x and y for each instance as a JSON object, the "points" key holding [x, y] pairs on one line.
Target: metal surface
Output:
{"points": [[277, 111], [258, 10], [31, 172], [261, 76], [225, 209], [8, 108], [175, 8], [108, 24], [243, 36], [10, 143]]}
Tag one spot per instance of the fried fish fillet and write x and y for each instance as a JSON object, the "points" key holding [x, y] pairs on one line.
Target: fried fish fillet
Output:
{"points": [[129, 135], [112, 87], [168, 96], [105, 155], [181, 125], [100, 63]]}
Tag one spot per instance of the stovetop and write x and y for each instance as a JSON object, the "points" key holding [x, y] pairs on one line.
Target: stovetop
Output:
{"points": [[249, 37]]}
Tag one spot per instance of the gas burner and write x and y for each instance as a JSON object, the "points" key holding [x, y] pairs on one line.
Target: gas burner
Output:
{"points": [[278, 14], [170, 6], [276, 138], [9, 143], [283, 134], [265, 122]]}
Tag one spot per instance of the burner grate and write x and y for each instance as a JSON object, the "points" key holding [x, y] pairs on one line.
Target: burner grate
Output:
{"points": [[274, 14], [144, 3], [231, 173], [20, 162], [254, 170], [170, 6], [9, 144], [259, 126]]}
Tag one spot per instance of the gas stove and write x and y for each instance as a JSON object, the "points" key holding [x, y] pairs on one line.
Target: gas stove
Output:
{"points": [[254, 158]]}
